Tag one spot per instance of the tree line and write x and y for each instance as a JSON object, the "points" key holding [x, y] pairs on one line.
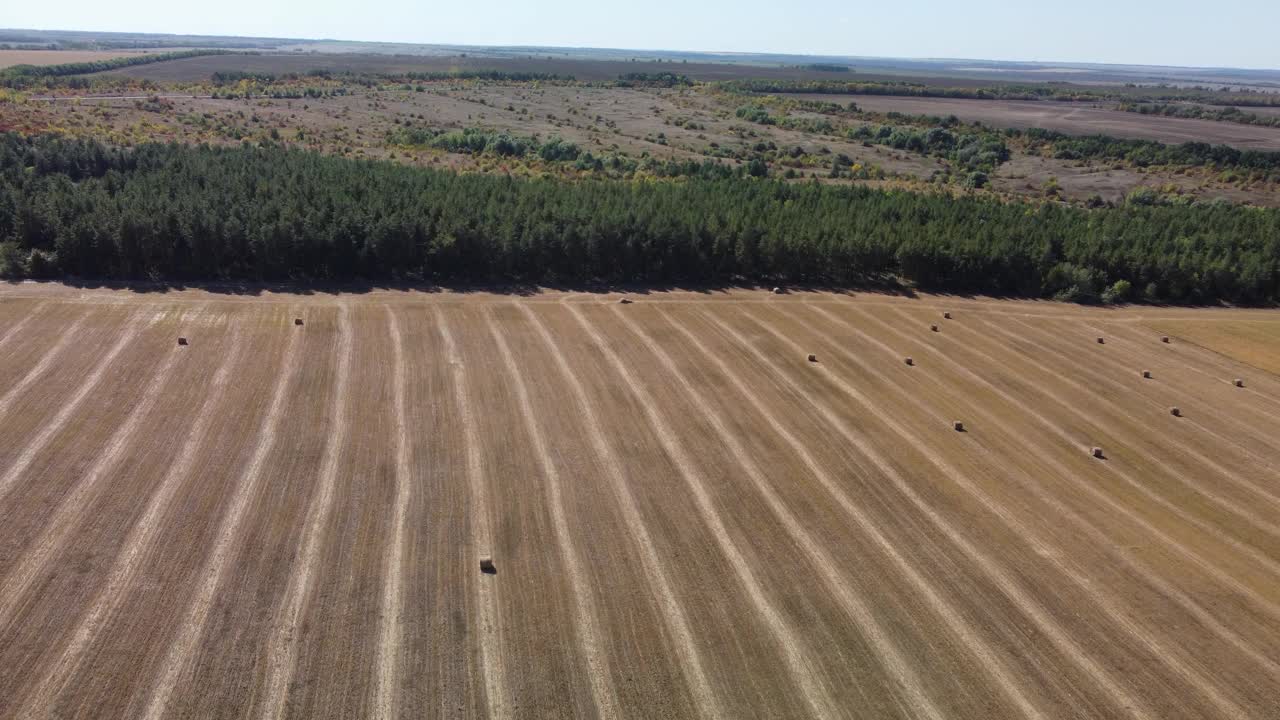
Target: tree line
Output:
{"points": [[183, 213], [1012, 91], [22, 77], [1201, 112]]}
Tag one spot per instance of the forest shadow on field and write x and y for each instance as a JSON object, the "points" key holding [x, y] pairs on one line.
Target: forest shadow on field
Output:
{"points": [[310, 288]]}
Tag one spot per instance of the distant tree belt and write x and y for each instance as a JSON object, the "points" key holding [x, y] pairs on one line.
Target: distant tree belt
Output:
{"points": [[1148, 152], [80, 208], [23, 76], [1200, 112], [904, 88]]}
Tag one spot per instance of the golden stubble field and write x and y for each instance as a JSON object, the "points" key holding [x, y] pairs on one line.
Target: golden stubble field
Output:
{"points": [[687, 517]]}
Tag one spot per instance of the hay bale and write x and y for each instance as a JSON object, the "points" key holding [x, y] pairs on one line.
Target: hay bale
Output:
{"points": [[182, 341], [1239, 382], [1175, 411], [957, 425], [625, 301], [778, 291], [1102, 341], [1097, 452], [1146, 374], [297, 321], [1165, 339], [813, 358], [909, 361], [946, 316], [934, 328], [486, 565]]}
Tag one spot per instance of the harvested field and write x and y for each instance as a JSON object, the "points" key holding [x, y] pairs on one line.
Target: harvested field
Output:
{"points": [[9, 58], [1072, 118], [686, 517]]}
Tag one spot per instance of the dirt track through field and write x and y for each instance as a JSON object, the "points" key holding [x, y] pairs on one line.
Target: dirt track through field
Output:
{"points": [[687, 516]]}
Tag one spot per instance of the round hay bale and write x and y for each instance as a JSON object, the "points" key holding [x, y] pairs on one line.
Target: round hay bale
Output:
{"points": [[1146, 374], [957, 426], [486, 565], [297, 321], [182, 341], [1239, 382], [909, 361], [1164, 339], [1096, 452], [1102, 341], [1175, 411], [813, 358], [934, 328], [946, 316]]}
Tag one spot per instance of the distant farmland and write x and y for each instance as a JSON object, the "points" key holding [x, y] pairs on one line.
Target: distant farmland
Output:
{"points": [[686, 516], [9, 58], [1074, 118]]}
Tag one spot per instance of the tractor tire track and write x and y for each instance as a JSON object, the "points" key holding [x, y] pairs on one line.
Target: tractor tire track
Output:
{"points": [[799, 662], [955, 623], [1260, 521], [1102, 540], [72, 508], [179, 658], [1206, 407], [282, 648], [914, 699], [1256, 554], [40, 368], [17, 327], [692, 663], [1209, 567], [584, 601], [1113, 608], [392, 621], [1118, 695], [497, 694], [141, 537], [54, 425]]}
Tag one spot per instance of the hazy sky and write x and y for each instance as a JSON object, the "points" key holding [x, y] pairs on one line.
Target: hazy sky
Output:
{"points": [[1236, 33]]}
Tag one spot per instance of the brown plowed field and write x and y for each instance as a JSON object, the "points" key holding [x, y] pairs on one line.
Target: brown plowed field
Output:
{"points": [[687, 517], [1071, 118]]}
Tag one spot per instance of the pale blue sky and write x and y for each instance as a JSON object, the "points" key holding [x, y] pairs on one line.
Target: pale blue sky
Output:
{"points": [[1235, 33]]}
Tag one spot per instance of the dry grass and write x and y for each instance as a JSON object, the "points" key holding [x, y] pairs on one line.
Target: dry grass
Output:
{"points": [[683, 519], [1254, 342]]}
